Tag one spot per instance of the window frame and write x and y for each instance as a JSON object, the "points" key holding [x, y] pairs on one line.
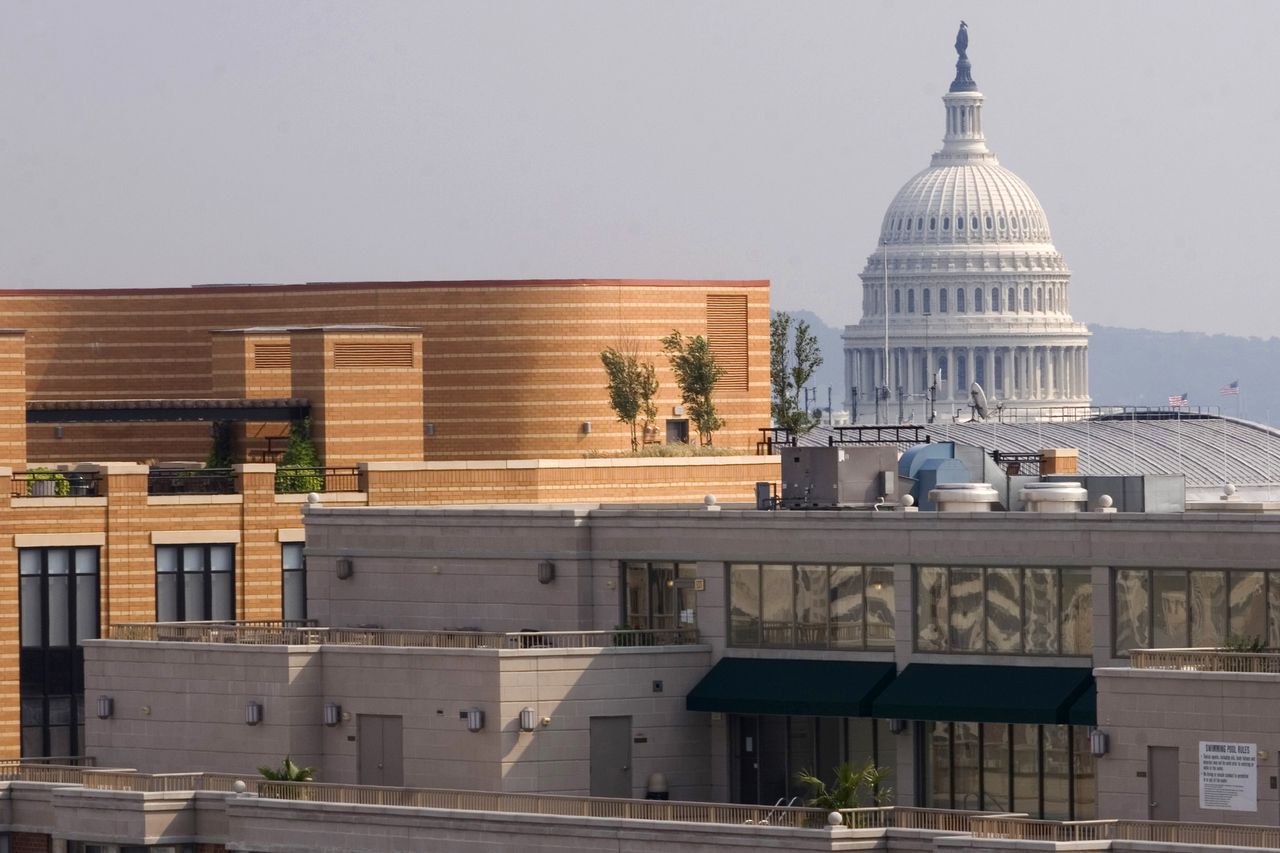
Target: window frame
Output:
{"points": [[206, 574]]}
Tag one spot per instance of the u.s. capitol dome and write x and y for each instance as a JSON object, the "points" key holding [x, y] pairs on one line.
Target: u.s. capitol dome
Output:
{"points": [[976, 290]]}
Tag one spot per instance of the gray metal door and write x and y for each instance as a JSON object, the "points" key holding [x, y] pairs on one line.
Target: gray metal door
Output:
{"points": [[379, 753], [1162, 782], [611, 757]]}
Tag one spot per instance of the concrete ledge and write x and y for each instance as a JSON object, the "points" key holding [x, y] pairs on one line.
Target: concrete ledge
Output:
{"points": [[326, 497], [193, 500], [19, 503], [56, 540], [291, 534], [194, 537], [605, 462]]}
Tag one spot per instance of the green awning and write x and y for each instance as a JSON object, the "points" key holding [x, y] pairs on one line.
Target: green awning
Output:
{"points": [[791, 686], [1084, 712], [984, 694]]}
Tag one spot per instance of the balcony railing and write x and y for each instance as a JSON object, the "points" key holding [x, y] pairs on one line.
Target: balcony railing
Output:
{"points": [[56, 484], [1205, 660], [191, 481], [292, 480], [307, 634], [1220, 835]]}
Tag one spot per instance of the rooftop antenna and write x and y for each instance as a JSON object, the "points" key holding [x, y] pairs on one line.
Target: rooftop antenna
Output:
{"points": [[977, 402], [885, 256]]}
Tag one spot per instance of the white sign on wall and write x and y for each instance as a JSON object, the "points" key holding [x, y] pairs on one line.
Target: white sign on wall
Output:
{"points": [[1229, 776]]}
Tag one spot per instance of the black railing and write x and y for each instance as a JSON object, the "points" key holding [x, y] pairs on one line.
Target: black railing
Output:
{"points": [[901, 436], [294, 480], [771, 438], [191, 481], [56, 484]]}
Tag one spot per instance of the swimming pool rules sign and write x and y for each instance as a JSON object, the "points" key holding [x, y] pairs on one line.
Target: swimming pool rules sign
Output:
{"points": [[1229, 776]]}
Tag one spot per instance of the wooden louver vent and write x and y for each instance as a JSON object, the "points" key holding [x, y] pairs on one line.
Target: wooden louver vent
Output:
{"points": [[271, 357], [727, 335], [366, 355]]}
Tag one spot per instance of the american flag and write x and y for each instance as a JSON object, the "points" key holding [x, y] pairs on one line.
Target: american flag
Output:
{"points": [[1178, 400], [1230, 389]]}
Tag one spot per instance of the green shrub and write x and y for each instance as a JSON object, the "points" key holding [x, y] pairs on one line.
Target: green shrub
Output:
{"points": [[61, 485]]}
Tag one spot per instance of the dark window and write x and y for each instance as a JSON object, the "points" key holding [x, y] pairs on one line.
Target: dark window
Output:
{"points": [[293, 570], [942, 301], [660, 596], [995, 299], [960, 300], [933, 223], [927, 302], [911, 302], [897, 302], [1012, 304], [973, 222], [946, 223], [977, 300], [195, 583], [920, 223], [988, 222], [58, 607]]}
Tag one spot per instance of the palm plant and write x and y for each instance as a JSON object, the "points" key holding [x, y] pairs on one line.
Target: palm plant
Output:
{"points": [[852, 788], [288, 772]]}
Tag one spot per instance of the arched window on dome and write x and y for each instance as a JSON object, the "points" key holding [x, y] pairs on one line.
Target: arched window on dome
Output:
{"points": [[973, 222], [899, 223], [1002, 222], [995, 300], [926, 302], [911, 301], [1024, 222], [942, 301], [920, 223], [1026, 299], [1051, 300], [988, 221], [908, 223], [977, 301], [946, 223], [959, 300], [1011, 304], [1040, 300], [933, 223], [897, 302], [960, 223]]}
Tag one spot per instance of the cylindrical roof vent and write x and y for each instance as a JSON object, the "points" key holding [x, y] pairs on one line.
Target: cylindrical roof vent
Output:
{"points": [[963, 497], [1054, 497]]}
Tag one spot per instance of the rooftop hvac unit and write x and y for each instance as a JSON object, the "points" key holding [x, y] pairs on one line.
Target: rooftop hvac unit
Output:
{"points": [[834, 477]]}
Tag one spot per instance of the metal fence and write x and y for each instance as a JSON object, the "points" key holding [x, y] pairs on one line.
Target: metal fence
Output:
{"points": [[191, 481], [300, 480], [1205, 660], [1013, 828], [305, 633], [56, 484]]}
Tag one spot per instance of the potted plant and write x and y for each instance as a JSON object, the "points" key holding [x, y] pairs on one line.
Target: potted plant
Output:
{"points": [[852, 788]]}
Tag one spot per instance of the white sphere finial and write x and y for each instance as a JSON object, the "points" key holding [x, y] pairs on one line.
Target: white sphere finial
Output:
{"points": [[709, 500], [313, 498], [1229, 489], [835, 819], [1105, 501], [908, 500], [239, 786]]}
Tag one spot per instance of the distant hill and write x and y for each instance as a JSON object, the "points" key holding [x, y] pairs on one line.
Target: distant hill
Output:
{"points": [[1137, 367]]}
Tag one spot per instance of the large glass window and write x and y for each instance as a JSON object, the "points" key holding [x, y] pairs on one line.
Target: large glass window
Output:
{"points": [[58, 608], [1045, 771], [1033, 611], [293, 571], [770, 750], [1179, 608], [195, 583], [660, 595], [782, 605]]}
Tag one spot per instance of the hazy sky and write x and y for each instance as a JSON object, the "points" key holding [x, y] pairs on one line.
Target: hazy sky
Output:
{"points": [[173, 143]]}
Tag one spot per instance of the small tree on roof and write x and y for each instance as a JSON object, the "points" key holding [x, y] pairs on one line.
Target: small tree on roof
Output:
{"points": [[697, 373]]}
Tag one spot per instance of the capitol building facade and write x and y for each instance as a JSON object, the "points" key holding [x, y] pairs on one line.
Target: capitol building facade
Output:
{"points": [[974, 289]]}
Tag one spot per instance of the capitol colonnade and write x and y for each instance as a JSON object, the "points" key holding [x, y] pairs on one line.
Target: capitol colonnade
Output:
{"points": [[967, 286]]}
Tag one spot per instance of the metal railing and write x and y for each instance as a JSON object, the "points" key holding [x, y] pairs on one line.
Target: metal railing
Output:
{"points": [[1013, 828], [191, 481], [547, 804], [128, 780], [56, 484], [27, 771], [292, 480], [1205, 660], [305, 633], [774, 438], [1022, 828], [900, 436]]}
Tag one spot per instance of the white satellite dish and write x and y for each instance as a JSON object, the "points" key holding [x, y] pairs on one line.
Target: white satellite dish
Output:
{"points": [[978, 400]]}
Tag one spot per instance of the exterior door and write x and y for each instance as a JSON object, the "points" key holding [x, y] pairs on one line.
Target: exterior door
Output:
{"points": [[1162, 782], [678, 432], [748, 760], [611, 757], [379, 750]]}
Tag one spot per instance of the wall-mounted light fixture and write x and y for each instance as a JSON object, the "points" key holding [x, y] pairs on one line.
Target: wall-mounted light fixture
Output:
{"points": [[431, 429], [546, 571], [528, 720], [586, 427], [475, 720], [57, 431], [897, 727], [346, 568], [106, 707], [253, 713], [1099, 742], [332, 713]]}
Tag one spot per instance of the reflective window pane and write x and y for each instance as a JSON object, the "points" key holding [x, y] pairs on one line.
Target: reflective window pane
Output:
{"points": [[166, 558], [86, 561], [291, 555], [166, 598], [1208, 592], [777, 612], [1169, 609], [222, 599], [811, 606], [932, 621], [86, 608], [193, 597], [1273, 610], [1131, 610], [1057, 766], [58, 561], [1077, 611], [995, 767], [1084, 765], [966, 610], [30, 560], [846, 606], [1026, 768], [295, 595], [744, 604], [880, 607], [193, 558], [59, 611], [32, 606], [938, 764], [1248, 606], [222, 557], [1041, 593], [966, 762], [1004, 610]]}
